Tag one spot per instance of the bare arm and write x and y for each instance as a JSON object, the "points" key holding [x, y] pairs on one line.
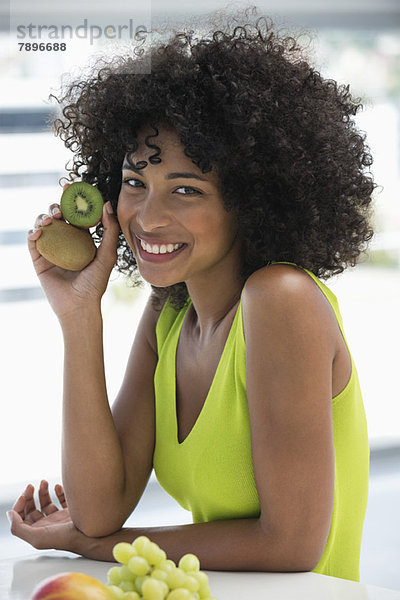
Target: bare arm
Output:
{"points": [[289, 329], [102, 483], [107, 455], [290, 347]]}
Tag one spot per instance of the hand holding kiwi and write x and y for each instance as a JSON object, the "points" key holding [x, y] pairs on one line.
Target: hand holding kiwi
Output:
{"points": [[70, 245]]}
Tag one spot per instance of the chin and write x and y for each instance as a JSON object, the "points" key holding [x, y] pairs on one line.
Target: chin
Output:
{"points": [[159, 280]]}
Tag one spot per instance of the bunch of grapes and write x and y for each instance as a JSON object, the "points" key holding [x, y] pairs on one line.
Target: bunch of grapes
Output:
{"points": [[146, 573]]}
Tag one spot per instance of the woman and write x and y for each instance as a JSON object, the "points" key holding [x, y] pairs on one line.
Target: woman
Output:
{"points": [[244, 183]]}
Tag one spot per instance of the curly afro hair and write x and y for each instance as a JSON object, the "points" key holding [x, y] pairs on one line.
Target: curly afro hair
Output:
{"points": [[243, 100]]}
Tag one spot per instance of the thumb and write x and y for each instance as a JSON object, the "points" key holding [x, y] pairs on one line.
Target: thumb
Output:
{"points": [[14, 519]]}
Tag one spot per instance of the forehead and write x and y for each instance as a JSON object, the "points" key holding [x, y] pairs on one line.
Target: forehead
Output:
{"points": [[165, 136], [171, 151]]}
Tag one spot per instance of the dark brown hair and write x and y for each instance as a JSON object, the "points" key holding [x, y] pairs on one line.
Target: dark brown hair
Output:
{"points": [[245, 102]]}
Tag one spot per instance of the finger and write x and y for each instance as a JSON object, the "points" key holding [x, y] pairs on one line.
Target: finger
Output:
{"points": [[24, 531], [59, 490], [28, 495], [46, 504], [15, 520], [19, 506], [32, 514], [107, 251], [42, 220], [55, 211], [39, 262]]}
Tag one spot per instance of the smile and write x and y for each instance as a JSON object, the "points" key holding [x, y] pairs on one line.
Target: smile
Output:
{"points": [[159, 248], [159, 253]]}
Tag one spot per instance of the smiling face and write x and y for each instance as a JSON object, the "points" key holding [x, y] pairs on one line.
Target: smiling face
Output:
{"points": [[172, 215]]}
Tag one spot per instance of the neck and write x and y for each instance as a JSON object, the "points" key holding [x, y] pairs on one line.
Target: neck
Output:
{"points": [[214, 294]]}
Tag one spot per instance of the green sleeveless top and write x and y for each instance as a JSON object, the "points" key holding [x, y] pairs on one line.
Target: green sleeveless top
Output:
{"points": [[211, 472]]}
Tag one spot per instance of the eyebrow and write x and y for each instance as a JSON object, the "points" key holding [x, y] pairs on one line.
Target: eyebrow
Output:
{"points": [[184, 175]]}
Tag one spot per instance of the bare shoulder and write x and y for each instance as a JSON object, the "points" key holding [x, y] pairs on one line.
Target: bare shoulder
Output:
{"points": [[278, 280], [287, 294]]}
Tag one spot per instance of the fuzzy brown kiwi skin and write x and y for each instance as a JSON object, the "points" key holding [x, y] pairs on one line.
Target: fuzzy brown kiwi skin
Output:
{"points": [[66, 246], [71, 217]]}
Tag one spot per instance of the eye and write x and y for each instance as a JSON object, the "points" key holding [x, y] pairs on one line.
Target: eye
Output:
{"points": [[191, 192], [131, 182]]}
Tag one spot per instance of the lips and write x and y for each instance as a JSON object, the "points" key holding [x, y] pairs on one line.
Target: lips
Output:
{"points": [[164, 248], [160, 251]]}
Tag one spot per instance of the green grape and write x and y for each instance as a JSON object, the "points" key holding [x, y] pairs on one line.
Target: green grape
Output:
{"points": [[126, 574], [164, 587], [152, 589], [189, 562], [191, 584], [153, 553], [176, 578], [159, 574], [116, 592], [179, 594], [146, 573], [201, 577], [139, 542], [140, 581], [166, 565], [138, 565], [131, 596], [127, 586], [123, 552], [204, 591], [114, 575]]}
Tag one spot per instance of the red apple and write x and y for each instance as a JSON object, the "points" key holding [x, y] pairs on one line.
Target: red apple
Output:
{"points": [[71, 586]]}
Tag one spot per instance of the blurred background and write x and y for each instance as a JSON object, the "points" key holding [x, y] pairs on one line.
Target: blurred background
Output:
{"points": [[352, 41]]}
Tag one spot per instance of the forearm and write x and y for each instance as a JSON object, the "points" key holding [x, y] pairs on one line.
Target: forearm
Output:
{"points": [[92, 463], [228, 545]]}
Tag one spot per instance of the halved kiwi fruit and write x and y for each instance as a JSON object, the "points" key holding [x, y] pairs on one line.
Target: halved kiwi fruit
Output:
{"points": [[81, 204], [66, 246]]}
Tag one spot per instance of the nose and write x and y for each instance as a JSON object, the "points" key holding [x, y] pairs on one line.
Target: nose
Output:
{"points": [[152, 213]]}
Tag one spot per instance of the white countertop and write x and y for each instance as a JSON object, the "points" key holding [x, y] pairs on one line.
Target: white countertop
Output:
{"points": [[19, 576]]}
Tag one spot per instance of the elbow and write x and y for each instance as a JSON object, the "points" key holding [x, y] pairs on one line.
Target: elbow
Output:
{"points": [[96, 530], [305, 563], [293, 551], [297, 562], [96, 527], [302, 554]]}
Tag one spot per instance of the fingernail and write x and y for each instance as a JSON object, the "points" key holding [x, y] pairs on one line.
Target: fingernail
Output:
{"points": [[43, 218], [55, 211], [9, 516], [32, 231], [109, 208]]}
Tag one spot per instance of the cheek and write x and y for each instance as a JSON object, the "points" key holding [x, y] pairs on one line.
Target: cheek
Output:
{"points": [[124, 211], [124, 216], [228, 228]]}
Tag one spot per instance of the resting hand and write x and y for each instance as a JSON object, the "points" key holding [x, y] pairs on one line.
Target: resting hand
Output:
{"points": [[48, 528]]}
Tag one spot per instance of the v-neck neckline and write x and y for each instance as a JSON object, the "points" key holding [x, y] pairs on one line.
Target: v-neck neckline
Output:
{"points": [[173, 370]]}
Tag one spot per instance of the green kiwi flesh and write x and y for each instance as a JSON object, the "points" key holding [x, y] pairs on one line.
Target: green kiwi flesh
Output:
{"points": [[82, 204], [66, 246]]}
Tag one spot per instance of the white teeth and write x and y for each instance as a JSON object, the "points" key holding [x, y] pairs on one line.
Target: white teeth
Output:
{"points": [[159, 249]]}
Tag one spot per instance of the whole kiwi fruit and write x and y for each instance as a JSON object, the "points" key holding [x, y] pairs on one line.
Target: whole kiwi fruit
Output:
{"points": [[66, 246], [81, 204]]}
